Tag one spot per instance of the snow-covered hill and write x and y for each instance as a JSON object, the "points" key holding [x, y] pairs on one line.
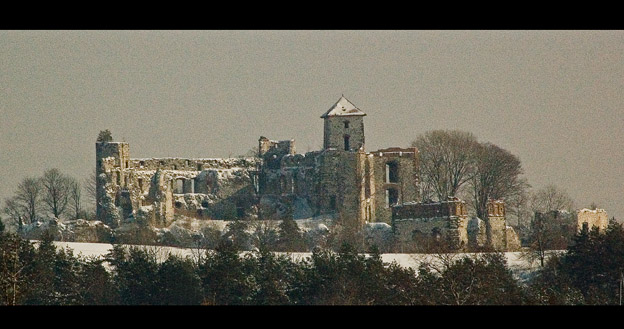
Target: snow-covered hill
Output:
{"points": [[517, 262]]}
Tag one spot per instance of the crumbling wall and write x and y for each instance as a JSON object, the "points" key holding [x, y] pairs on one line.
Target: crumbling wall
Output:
{"points": [[222, 189], [200, 188], [288, 183], [592, 218], [447, 219]]}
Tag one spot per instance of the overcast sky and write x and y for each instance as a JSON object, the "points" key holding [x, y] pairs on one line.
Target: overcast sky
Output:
{"points": [[553, 98]]}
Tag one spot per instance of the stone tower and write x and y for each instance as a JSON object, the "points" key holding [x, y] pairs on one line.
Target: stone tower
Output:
{"points": [[344, 127], [112, 162]]}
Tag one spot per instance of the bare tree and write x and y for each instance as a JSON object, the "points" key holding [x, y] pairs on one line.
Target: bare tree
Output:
{"points": [[56, 188], [75, 197], [497, 176], [550, 229], [446, 161], [15, 211], [551, 198], [28, 196], [90, 184]]}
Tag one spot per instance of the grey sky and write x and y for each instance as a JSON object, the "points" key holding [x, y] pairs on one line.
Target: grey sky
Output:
{"points": [[554, 98]]}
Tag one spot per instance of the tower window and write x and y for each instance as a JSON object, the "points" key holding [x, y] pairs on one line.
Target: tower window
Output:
{"points": [[346, 124], [346, 143], [392, 172]]}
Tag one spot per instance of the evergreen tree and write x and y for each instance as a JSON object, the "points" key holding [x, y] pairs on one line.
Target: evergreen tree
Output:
{"points": [[483, 280], [105, 136], [272, 277], [290, 237], [16, 269], [135, 273], [225, 276], [179, 283], [595, 264], [43, 290], [551, 286], [96, 284], [238, 235]]}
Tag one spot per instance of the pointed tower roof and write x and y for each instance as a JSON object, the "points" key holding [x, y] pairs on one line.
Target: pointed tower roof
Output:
{"points": [[343, 108]]}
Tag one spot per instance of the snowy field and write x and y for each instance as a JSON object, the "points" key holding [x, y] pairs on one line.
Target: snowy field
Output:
{"points": [[518, 264]]}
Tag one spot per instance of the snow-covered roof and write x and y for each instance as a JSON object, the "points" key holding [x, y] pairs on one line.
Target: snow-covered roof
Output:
{"points": [[343, 108]]}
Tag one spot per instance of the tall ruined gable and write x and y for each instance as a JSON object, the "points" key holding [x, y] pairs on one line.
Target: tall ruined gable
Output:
{"points": [[394, 179]]}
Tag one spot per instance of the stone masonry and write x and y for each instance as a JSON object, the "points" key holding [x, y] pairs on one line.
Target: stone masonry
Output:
{"points": [[341, 181], [592, 218], [415, 220], [448, 219]]}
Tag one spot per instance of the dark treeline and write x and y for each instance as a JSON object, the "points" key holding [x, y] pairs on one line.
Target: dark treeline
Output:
{"points": [[589, 272]]}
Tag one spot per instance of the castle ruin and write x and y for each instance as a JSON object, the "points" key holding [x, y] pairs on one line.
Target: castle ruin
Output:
{"points": [[342, 181]]}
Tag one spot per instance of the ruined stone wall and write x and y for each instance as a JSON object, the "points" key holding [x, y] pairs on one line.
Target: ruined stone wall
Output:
{"points": [[416, 220], [592, 218], [320, 184], [450, 216], [496, 225], [153, 190], [221, 189], [290, 188], [266, 145], [512, 239], [404, 183], [368, 204]]}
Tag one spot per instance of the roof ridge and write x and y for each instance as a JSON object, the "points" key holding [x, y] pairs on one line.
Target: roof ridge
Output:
{"points": [[348, 109]]}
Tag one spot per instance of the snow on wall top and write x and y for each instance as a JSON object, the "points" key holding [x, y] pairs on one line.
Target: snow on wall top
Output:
{"points": [[593, 211], [343, 107]]}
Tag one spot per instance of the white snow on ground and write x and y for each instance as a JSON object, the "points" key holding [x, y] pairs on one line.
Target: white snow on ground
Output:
{"points": [[519, 266]]}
